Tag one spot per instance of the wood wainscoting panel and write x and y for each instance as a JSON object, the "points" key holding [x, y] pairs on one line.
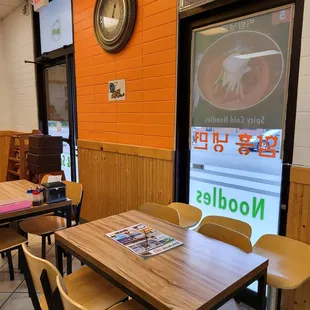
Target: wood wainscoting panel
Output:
{"points": [[4, 153], [118, 178], [298, 227]]}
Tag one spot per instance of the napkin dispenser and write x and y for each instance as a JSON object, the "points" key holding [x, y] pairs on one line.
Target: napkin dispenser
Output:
{"points": [[55, 192]]}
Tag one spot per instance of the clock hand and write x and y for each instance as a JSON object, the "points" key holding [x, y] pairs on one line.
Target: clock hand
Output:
{"points": [[113, 10]]}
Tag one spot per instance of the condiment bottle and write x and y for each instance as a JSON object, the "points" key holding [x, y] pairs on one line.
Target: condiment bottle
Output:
{"points": [[29, 194], [36, 197]]}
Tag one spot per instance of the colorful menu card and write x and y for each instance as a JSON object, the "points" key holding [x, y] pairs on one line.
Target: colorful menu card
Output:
{"points": [[143, 240]]}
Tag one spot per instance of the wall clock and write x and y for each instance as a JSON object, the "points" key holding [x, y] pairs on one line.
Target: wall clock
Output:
{"points": [[114, 22]]}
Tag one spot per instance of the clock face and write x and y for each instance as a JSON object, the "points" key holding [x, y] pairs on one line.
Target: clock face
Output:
{"points": [[112, 17], [114, 22]]}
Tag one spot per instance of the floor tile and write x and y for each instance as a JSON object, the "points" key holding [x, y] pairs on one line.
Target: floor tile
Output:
{"points": [[3, 261], [18, 301], [22, 288], [5, 268], [7, 286], [3, 298]]}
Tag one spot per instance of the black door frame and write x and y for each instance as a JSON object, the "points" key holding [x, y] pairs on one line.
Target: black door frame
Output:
{"points": [[211, 13], [64, 55]]}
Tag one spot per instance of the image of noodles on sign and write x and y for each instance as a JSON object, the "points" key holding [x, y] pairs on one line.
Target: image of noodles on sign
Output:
{"points": [[239, 72]]}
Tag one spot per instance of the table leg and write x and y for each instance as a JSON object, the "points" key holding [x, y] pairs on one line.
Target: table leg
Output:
{"points": [[261, 293], [69, 223], [58, 254]]}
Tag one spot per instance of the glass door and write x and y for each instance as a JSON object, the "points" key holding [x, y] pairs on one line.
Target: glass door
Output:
{"points": [[238, 106], [59, 115]]}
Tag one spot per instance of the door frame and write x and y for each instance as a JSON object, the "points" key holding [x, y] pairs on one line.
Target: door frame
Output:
{"points": [[64, 55], [208, 14]]}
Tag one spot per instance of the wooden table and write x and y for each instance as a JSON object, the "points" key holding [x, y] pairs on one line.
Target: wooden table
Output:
{"points": [[201, 274], [17, 189]]}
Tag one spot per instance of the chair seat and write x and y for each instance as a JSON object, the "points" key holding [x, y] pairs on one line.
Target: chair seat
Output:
{"points": [[283, 273], [128, 305], [188, 223], [288, 266], [9, 239], [92, 291], [43, 225]]}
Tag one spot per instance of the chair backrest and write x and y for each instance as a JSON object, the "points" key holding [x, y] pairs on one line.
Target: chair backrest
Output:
{"points": [[284, 247], [45, 178], [74, 191], [36, 266], [239, 226], [161, 211], [67, 302], [226, 235], [188, 211]]}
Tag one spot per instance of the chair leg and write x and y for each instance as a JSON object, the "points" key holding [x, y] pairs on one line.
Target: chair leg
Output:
{"points": [[26, 236], [20, 265], [43, 255], [10, 262], [3, 254], [49, 241], [272, 298]]}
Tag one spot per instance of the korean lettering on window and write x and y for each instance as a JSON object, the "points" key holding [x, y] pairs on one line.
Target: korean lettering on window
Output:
{"points": [[265, 145]]}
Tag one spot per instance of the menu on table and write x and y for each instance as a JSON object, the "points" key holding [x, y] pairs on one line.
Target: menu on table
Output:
{"points": [[143, 240]]}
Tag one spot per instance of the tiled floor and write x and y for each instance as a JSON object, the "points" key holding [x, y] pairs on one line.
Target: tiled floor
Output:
{"points": [[14, 294]]}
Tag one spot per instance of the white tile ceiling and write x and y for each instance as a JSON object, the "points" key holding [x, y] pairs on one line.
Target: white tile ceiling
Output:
{"points": [[7, 6]]}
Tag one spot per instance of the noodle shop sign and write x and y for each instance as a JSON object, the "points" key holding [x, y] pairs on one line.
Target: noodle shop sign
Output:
{"points": [[239, 72]]}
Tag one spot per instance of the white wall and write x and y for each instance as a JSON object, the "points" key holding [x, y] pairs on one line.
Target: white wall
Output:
{"points": [[302, 132], [20, 77], [5, 115]]}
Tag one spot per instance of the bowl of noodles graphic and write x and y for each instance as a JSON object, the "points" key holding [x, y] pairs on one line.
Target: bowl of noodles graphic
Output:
{"points": [[240, 70]]}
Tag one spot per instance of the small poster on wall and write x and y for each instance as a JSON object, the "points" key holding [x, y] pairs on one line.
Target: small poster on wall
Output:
{"points": [[117, 90]]}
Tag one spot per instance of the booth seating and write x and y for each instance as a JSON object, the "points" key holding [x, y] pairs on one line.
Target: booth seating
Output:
{"points": [[9, 241], [288, 265], [85, 286], [190, 216], [45, 226], [237, 225]]}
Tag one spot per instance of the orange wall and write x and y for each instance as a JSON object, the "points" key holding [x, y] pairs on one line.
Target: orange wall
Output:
{"points": [[147, 63]]}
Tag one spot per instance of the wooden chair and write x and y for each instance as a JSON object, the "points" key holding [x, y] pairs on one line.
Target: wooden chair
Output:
{"points": [[231, 237], [9, 241], [84, 286], [190, 216], [162, 212], [45, 226], [288, 266], [239, 226], [226, 235], [43, 178], [70, 304]]}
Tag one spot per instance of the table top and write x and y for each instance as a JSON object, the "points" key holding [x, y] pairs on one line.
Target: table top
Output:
{"points": [[17, 189], [200, 273], [14, 189]]}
